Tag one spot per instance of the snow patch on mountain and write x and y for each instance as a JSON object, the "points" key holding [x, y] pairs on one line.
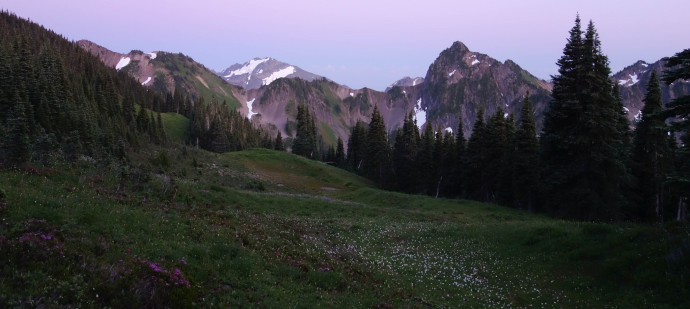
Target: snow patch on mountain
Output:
{"points": [[352, 94], [449, 130], [419, 114], [626, 109], [124, 61], [629, 82], [414, 82], [475, 61], [249, 105], [279, 74], [638, 117], [248, 67], [452, 73], [152, 55], [146, 81]]}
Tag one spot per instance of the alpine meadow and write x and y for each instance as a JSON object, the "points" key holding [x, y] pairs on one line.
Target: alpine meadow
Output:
{"points": [[147, 180]]}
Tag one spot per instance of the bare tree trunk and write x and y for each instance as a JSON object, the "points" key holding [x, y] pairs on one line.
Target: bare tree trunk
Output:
{"points": [[682, 209], [438, 186]]}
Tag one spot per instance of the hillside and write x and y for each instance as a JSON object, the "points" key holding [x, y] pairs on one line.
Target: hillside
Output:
{"points": [[167, 72], [265, 228]]}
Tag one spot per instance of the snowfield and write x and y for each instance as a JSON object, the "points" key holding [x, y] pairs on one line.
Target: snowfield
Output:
{"points": [[146, 81], [248, 68], [279, 74], [124, 61], [249, 105], [419, 114]]}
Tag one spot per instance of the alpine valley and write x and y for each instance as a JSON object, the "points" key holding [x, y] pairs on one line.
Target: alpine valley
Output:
{"points": [[147, 180]]}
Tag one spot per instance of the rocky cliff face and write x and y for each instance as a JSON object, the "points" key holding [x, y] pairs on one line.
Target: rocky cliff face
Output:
{"points": [[165, 72], [261, 72], [460, 82], [633, 81]]}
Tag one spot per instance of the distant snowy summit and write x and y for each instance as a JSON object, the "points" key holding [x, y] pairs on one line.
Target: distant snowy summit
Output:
{"points": [[407, 82], [262, 71]]}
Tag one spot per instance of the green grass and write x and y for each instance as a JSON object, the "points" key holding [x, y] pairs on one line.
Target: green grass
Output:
{"points": [[176, 127], [261, 228]]}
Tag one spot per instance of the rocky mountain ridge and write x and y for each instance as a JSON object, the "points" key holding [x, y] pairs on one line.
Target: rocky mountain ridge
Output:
{"points": [[260, 72], [164, 72], [458, 83]]}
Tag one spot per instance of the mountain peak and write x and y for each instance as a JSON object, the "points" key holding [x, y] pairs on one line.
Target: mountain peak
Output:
{"points": [[258, 72], [459, 46], [406, 82]]}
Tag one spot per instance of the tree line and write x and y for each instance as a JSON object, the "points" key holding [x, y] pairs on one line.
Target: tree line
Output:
{"points": [[58, 102], [586, 164]]}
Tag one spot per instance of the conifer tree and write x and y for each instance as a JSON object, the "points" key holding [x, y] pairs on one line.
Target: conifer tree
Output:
{"points": [[279, 143], [651, 155], [583, 146], [475, 162], [458, 180], [17, 144], [448, 169], [378, 159], [405, 155], [494, 169], [357, 146], [340, 153], [526, 158], [425, 161], [304, 141], [678, 68]]}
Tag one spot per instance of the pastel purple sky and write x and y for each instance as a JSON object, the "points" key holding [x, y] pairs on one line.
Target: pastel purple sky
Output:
{"points": [[368, 43]]}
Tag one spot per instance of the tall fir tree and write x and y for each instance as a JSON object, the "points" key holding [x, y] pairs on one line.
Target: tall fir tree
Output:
{"points": [[678, 68], [357, 146], [475, 162], [279, 143], [458, 180], [340, 153], [304, 140], [582, 145], [377, 163], [405, 155], [526, 158], [651, 156], [18, 146], [425, 161]]}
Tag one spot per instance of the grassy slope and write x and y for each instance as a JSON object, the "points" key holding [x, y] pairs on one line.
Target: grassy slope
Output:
{"points": [[176, 127], [263, 228]]}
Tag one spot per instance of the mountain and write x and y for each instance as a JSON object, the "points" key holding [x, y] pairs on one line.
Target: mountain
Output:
{"points": [[336, 107], [407, 82], [460, 82], [262, 71], [167, 72], [633, 81]]}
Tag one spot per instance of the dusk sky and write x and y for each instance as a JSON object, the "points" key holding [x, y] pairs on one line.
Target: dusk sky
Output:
{"points": [[367, 43]]}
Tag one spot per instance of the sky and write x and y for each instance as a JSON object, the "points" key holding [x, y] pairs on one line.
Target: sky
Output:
{"points": [[367, 43]]}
